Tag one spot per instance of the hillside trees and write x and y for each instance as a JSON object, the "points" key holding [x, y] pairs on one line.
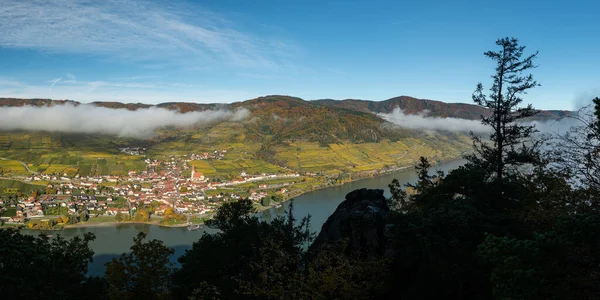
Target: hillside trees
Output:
{"points": [[578, 150], [142, 215], [563, 263], [36, 267], [434, 237], [144, 273], [504, 100], [248, 258]]}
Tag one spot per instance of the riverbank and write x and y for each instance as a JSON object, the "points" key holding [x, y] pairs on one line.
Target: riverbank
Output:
{"points": [[101, 221], [112, 241], [109, 221], [354, 177]]}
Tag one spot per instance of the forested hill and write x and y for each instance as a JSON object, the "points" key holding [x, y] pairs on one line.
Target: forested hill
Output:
{"points": [[409, 105]]}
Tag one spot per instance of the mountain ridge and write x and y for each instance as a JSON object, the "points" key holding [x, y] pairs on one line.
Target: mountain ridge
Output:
{"points": [[409, 105], [277, 134]]}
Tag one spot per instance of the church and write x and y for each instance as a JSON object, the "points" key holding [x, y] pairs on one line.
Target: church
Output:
{"points": [[196, 176]]}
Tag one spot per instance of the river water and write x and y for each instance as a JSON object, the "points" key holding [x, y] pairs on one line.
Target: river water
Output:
{"points": [[111, 241]]}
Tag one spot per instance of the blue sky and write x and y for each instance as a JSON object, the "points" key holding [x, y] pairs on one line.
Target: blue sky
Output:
{"points": [[231, 50]]}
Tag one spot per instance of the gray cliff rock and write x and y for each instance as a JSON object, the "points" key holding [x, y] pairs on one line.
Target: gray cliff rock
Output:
{"points": [[359, 223]]}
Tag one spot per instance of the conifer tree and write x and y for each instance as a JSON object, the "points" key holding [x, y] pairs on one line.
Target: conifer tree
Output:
{"points": [[508, 135]]}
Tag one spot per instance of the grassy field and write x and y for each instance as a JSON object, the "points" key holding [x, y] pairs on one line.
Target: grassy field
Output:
{"points": [[8, 186], [12, 167], [55, 153], [10, 212], [100, 219], [310, 157], [51, 153]]}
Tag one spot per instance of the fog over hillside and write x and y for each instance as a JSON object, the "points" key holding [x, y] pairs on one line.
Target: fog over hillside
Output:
{"points": [[84, 118], [140, 121], [422, 121]]}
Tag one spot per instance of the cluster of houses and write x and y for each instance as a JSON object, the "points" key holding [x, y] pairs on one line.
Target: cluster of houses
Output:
{"points": [[133, 150], [163, 189], [208, 155]]}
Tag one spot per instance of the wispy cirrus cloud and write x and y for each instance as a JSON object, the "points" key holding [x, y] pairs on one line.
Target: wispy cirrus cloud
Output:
{"points": [[132, 82], [123, 91], [160, 32], [54, 81]]}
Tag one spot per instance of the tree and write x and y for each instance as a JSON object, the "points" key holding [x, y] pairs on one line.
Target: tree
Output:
{"points": [[424, 179], [84, 215], [559, 264], [144, 273], [232, 214], [578, 150], [169, 211], [248, 258], [122, 217], [508, 136], [153, 206], [399, 198], [63, 219], [36, 267], [576, 154], [277, 198], [142, 215], [266, 201], [423, 171], [433, 239]]}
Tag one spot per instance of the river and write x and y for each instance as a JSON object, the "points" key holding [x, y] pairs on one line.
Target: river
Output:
{"points": [[111, 241]]}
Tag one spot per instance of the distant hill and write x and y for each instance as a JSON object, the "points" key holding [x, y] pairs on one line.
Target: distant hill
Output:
{"points": [[279, 134], [409, 105], [276, 118]]}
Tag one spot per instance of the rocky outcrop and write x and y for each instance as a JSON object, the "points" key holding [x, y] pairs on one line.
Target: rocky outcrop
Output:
{"points": [[358, 223]]}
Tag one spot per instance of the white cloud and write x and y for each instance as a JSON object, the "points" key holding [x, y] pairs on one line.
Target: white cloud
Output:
{"points": [[158, 31], [422, 122], [86, 118]]}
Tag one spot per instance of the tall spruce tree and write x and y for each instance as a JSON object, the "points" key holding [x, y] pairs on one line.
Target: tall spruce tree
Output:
{"points": [[507, 147]]}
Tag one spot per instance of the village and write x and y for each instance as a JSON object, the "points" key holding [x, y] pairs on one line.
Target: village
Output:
{"points": [[160, 191]]}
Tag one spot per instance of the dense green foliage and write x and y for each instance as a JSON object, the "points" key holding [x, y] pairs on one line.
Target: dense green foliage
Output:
{"points": [[56, 211], [144, 273], [42, 268]]}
